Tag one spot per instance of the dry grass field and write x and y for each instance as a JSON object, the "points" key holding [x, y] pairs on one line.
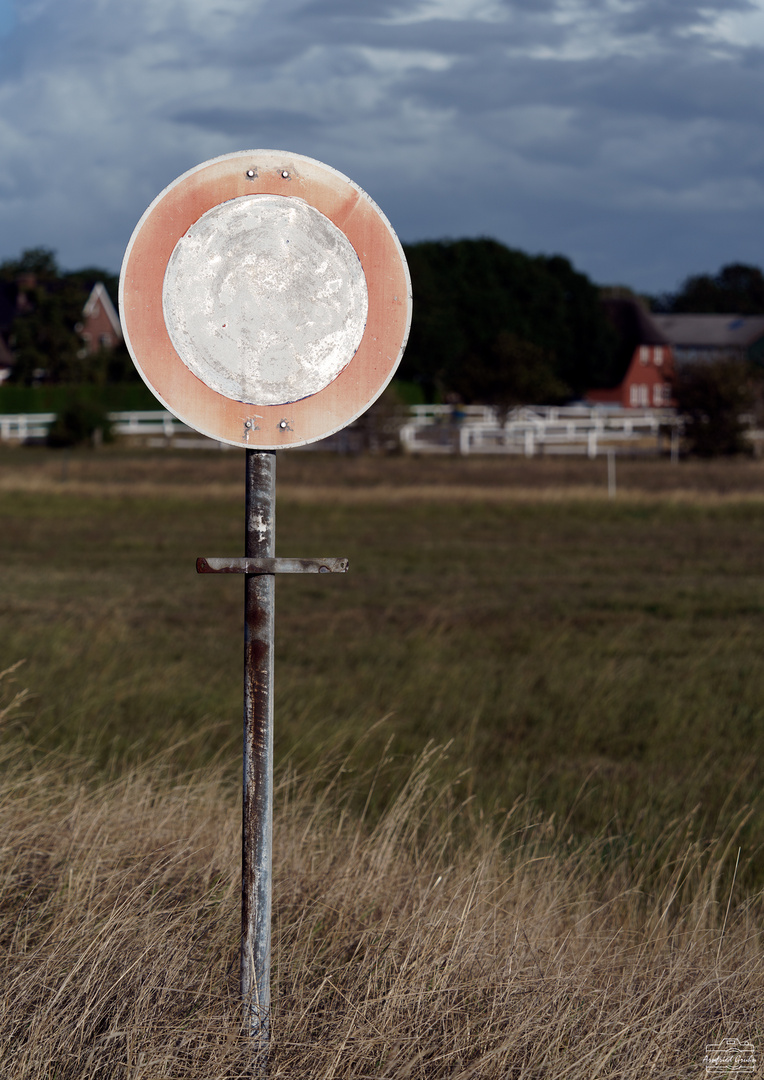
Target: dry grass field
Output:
{"points": [[309, 475], [519, 823], [397, 951]]}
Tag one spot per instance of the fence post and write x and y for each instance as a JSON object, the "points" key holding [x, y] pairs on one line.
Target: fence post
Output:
{"points": [[611, 489]]}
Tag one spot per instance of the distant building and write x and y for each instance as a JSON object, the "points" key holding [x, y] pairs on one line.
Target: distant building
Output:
{"points": [[698, 338], [100, 327], [646, 383], [663, 343]]}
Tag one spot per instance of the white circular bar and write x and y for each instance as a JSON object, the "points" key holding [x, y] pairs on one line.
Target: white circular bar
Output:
{"points": [[265, 299]]}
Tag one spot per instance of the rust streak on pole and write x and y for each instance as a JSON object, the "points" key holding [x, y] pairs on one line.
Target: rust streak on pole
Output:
{"points": [[257, 822]]}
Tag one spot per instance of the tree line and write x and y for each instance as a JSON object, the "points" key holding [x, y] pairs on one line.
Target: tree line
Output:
{"points": [[40, 312], [737, 289], [491, 324]]}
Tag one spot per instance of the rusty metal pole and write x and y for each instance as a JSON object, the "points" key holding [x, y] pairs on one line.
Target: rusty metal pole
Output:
{"points": [[260, 568], [257, 820]]}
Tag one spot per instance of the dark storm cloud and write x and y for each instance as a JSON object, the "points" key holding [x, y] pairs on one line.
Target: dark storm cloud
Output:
{"points": [[450, 37], [352, 9], [681, 89], [677, 17], [599, 128], [246, 121]]}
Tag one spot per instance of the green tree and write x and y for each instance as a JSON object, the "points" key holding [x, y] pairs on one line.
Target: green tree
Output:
{"points": [[586, 345], [737, 289], [472, 298], [512, 372], [43, 336], [712, 398], [39, 261], [82, 421]]}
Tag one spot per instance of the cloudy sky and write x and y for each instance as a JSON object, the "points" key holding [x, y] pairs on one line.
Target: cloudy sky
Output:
{"points": [[625, 134]]}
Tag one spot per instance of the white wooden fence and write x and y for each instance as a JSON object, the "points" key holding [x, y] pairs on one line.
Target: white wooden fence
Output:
{"points": [[574, 429], [432, 429], [155, 426], [18, 427]]}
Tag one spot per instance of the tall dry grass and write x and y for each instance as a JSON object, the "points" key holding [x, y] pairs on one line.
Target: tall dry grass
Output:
{"points": [[433, 943]]}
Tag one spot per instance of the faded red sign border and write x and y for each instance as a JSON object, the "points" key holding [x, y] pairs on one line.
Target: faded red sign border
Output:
{"points": [[168, 218]]}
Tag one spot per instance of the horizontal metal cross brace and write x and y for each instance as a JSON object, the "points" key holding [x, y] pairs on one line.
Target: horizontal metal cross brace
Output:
{"points": [[271, 566]]}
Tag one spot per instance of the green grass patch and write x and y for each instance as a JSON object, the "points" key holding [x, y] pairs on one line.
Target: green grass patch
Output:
{"points": [[115, 396], [600, 658]]}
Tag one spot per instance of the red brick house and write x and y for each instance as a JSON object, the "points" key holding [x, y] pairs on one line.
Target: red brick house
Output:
{"points": [[100, 327], [646, 383], [663, 344]]}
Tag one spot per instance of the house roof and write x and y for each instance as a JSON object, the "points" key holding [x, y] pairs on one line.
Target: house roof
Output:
{"points": [[100, 295], [711, 331]]}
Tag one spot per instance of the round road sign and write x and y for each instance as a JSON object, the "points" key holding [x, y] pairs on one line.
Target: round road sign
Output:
{"points": [[265, 299]]}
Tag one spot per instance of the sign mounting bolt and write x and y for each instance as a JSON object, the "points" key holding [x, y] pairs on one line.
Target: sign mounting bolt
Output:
{"points": [[285, 174], [251, 174]]}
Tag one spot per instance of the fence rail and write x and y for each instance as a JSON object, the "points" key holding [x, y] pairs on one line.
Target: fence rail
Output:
{"points": [[157, 426], [577, 429], [431, 429], [23, 426]]}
